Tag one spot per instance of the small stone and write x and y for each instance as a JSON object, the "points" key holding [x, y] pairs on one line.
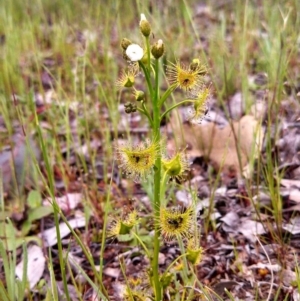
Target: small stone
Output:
{"points": [[161, 259]]}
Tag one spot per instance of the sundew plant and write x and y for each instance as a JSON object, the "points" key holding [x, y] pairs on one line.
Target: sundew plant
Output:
{"points": [[149, 158]]}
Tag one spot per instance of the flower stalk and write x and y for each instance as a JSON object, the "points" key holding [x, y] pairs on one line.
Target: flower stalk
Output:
{"points": [[157, 181], [147, 157]]}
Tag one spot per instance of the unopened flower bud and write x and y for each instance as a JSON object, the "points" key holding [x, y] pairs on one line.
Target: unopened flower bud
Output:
{"points": [[130, 107], [133, 108], [145, 26], [128, 110], [139, 95], [125, 43], [158, 49]]}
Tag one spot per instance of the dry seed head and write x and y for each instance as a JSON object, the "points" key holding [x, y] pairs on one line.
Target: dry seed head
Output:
{"points": [[176, 222], [137, 161], [184, 77]]}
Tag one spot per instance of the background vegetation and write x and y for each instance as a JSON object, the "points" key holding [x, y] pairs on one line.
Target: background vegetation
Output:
{"points": [[60, 112]]}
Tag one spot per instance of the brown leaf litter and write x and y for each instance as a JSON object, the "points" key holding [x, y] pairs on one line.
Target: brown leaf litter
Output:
{"points": [[230, 148]]}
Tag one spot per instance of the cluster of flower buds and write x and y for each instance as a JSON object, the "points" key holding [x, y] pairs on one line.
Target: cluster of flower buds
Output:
{"points": [[139, 95], [130, 107], [158, 49], [134, 52], [136, 55]]}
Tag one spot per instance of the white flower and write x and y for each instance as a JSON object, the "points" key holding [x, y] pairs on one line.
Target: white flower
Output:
{"points": [[134, 52], [143, 17]]}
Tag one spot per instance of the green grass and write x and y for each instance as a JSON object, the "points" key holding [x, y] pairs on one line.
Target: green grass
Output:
{"points": [[76, 44]]}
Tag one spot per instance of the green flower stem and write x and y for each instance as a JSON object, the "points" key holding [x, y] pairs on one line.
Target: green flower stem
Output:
{"points": [[147, 112], [177, 105], [185, 263], [142, 244], [144, 111], [174, 261], [147, 76], [148, 53], [162, 189], [122, 266], [157, 180], [167, 94]]}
